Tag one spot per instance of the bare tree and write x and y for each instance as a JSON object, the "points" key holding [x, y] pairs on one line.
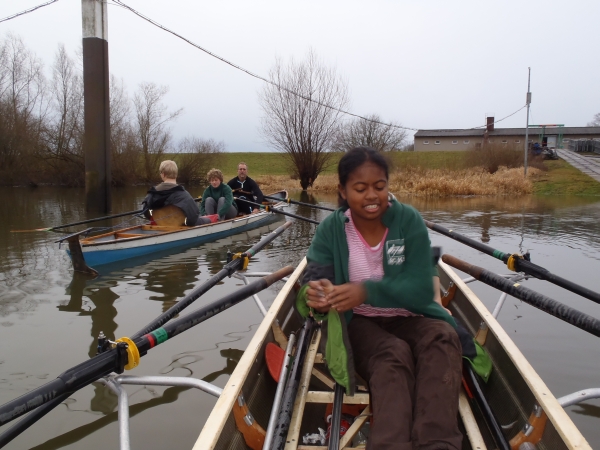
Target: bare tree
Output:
{"points": [[370, 133], [125, 151], [301, 114], [22, 107], [63, 137], [595, 121], [196, 157], [152, 117]]}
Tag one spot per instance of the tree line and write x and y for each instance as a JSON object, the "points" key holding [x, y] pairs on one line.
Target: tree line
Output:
{"points": [[304, 118], [41, 125]]}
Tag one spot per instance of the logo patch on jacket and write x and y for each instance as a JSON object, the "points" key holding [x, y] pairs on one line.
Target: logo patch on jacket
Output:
{"points": [[394, 251]]}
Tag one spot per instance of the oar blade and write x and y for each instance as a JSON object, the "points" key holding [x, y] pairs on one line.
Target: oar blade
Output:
{"points": [[30, 231]]}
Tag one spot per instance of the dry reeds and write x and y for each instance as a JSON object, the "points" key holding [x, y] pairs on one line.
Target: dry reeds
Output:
{"points": [[428, 182]]}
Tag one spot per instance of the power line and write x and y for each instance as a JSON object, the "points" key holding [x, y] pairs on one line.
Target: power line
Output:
{"points": [[28, 11], [278, 86], [499, 120]]}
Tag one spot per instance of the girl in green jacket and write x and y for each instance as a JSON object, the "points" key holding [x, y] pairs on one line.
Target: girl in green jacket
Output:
{"points": [[370, 270]]}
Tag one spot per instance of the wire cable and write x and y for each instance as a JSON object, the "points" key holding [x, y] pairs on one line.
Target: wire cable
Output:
{"points": [[27, 11], [278, 86], [252, 74]]}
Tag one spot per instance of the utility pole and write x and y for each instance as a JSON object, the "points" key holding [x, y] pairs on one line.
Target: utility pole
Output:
{"points": [[527, 126], [96, 141]]}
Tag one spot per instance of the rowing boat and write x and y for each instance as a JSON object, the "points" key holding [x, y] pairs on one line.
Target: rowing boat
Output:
{"points": [[529, 415], [131, 242]]}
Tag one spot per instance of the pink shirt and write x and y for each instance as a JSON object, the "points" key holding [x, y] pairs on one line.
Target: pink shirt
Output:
{"points": [[366, 263]]}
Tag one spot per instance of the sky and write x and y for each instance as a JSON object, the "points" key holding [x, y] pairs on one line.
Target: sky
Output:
{"points": [[426, 64]]}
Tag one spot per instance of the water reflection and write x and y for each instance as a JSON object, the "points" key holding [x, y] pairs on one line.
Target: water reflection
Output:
{"points": [[102, 313]]}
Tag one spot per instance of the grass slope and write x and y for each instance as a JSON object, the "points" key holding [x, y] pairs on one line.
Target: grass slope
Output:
{"points": [[564, 179]]}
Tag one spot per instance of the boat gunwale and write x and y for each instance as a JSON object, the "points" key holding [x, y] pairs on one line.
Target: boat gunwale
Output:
{"points": [[561, 421], [208, 438]]}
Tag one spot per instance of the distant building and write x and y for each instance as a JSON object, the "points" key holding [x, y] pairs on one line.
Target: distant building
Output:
{"points": [[548, 135]]}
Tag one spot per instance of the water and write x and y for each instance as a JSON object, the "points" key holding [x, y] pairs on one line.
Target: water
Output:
{"points": [[49, 318]]}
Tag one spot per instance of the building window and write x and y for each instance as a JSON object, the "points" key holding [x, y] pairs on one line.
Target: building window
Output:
{"points": [[425, 142], [455, 142], [466, 141], [505, 141], [517, 141], [437, 142]]}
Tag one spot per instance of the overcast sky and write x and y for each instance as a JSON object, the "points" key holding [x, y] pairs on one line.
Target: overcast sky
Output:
{"points": [[425, 64]]}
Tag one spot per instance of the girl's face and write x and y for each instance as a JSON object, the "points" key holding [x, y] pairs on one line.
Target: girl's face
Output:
{"points": [[366, 191], [215, 182]]}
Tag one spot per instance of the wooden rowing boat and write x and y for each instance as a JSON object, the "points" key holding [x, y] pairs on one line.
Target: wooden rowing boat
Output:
{"points": [[140, 240], [529, 414]]}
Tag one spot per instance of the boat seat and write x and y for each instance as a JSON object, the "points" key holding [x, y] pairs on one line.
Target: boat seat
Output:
{"points": [[170, 216]]}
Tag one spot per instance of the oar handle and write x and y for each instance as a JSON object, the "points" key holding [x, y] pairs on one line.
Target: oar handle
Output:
{"points": [[517, 263], [535, 299]]}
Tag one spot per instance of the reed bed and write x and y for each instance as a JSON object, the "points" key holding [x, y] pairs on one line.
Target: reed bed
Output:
{"points": [[420, 182]]}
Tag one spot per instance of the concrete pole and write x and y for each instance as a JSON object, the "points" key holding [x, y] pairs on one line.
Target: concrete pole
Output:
{"points": [[527, 126], [96, 141]]}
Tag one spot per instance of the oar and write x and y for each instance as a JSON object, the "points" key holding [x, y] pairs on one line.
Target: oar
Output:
{"points": [[336, 418], [540, 301], [115, 359], [517, 264], [293, 202], [114, 216], [278, 211], [289, 395], [486, 410], [226, 271], [163, 318]]}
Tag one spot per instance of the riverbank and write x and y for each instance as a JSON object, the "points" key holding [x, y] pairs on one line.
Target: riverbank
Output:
{"points": [[431, 174]]}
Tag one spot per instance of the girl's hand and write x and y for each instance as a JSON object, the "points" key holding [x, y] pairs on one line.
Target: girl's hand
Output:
{"points": [[346, 296], [316, 295]]}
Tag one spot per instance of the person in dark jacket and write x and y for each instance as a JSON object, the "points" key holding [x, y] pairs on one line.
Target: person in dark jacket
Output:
{"points": [[218, 198], [170, 193], [245, 188]]}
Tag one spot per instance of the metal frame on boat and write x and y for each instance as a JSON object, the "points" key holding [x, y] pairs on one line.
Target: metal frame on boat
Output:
{"points": [[529, 414], [140, 240]]}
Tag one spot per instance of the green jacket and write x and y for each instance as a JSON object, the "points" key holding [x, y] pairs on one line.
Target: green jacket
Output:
{"points": [[222, 191], [407, 281]]}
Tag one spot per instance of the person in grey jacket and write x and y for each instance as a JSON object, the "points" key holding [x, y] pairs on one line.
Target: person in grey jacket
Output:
{"points": [[170, 193]]}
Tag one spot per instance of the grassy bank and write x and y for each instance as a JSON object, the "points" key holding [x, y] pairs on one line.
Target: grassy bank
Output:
{"points": [[430, 174], [564, 179]]}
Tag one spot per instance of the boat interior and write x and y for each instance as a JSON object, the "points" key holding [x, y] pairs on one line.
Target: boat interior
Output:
{"points": [[529, 415]]}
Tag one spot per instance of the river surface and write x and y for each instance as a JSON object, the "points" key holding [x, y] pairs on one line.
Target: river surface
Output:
{"points": [[49, 318]]}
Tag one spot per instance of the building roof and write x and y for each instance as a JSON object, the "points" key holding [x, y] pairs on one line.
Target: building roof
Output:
{"points": [[548, 131]]}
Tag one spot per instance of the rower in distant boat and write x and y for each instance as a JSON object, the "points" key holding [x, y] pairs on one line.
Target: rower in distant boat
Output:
{"points": [[218, 197], [177, 207], [245, 188]]}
